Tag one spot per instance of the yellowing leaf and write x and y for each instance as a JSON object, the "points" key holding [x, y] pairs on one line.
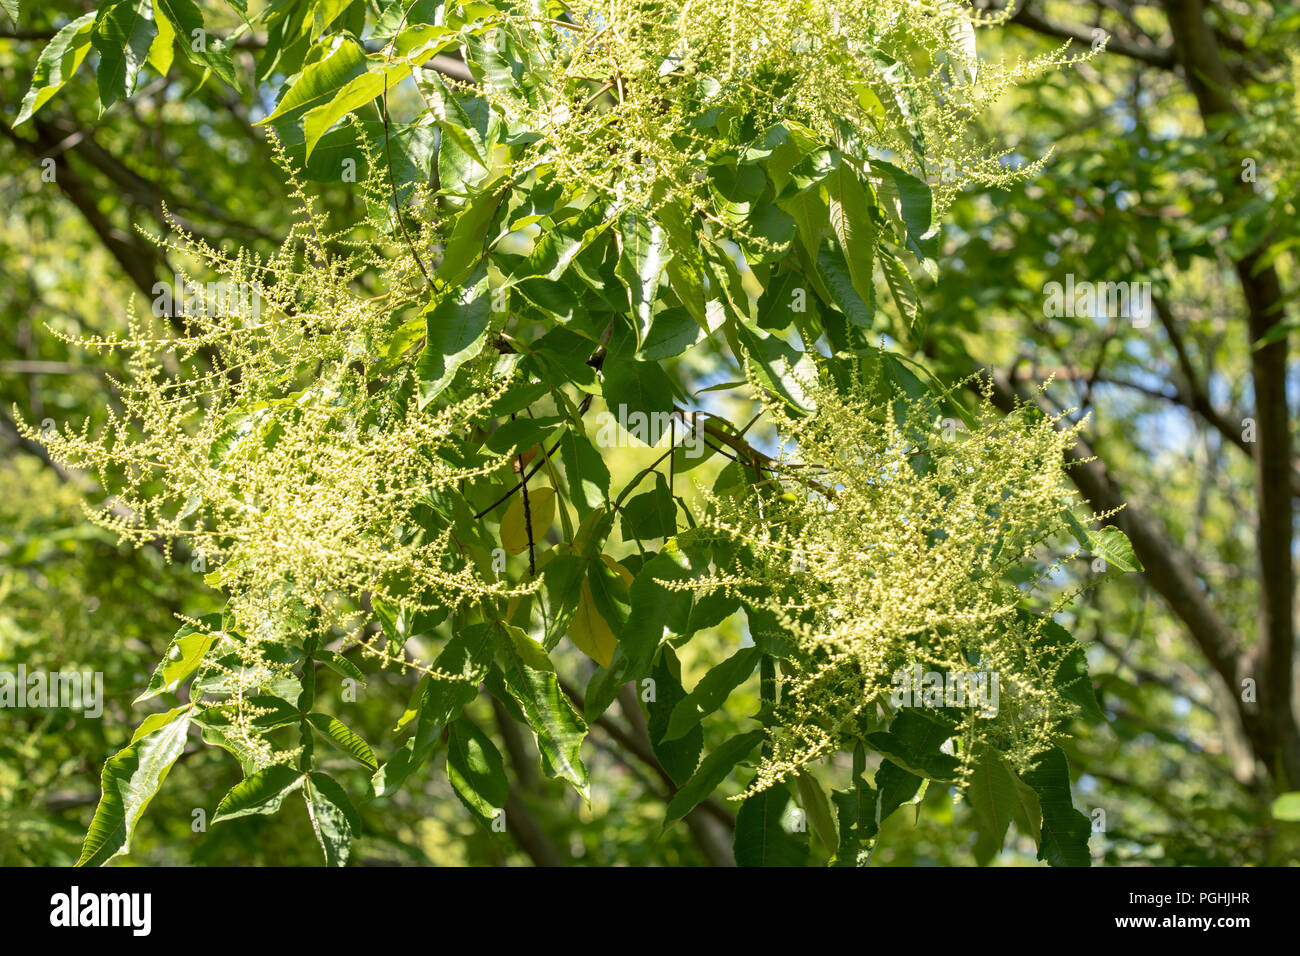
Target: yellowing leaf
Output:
{"points": [[590, 632], [541, 507], [163, 47]]}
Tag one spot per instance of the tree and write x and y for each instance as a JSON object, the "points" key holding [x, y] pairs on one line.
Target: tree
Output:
{"points": [[1174, 173], [435, 440]]}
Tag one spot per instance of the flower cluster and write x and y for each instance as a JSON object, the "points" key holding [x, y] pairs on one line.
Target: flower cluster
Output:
{"points": [[635, 100], [900, 540], [279, 440]]}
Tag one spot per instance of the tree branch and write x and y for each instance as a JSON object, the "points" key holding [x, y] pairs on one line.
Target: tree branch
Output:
{"points": [[1162, 57], [1272, 661], [1167, 566]]}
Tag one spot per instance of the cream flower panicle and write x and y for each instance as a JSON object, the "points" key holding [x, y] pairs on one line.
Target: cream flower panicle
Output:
{"points": [[897, 539], [628, 97], [278, 438]]}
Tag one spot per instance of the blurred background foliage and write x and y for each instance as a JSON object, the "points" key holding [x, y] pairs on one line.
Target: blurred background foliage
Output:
{"points": [[1135, 191]]}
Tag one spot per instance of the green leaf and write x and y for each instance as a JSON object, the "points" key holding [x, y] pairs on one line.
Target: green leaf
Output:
{"points": [[1027, 811], [774, 361], [412, 709], [476, 771], [408, 150], [163, 48], [202, 48], [997, 798], [382, 74], [856, 810], [395, 15], [589, 629], [1071, 677], [811, 218], [338, 733], [712, 771], [320, 81], [559, 358], [896, 787], [962, 34], [1109, 542], [456, 327], [686, 281], [850, 218], [650, 604], [1065, 830], [775, 227], [913, 742], [56, 64], [672, 332], [340, 664], [812, 798], [333, 817], [632, 386], [766, 631], [761, 839], [695, 612], [1287, 807], [643, 253], [411, 756], [467, 244], [421, 40], [130, 779], [558, 728], [520, 434], [467, 654], [679, 757], [183, 657], [565, 300], [585, 471], [651, 607], [831, 279], [558, 598], [277, 711], [533, 654], [358, 91], [713, 688], [263, 792], [122, 37], [498, 61], [913, 203], [785, 297], [904, 292], [650, 515]]}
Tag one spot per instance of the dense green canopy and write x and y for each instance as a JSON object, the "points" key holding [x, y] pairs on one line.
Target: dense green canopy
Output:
{"points": [[624, 433]]}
